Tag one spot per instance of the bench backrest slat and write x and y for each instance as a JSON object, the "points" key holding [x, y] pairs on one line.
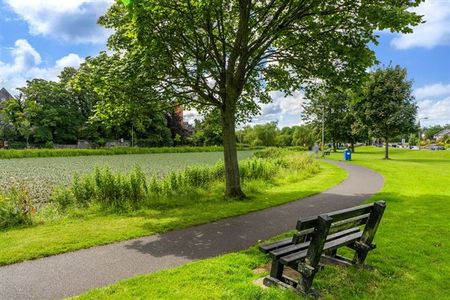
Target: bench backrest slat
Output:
{"points": [[337, 216], [356, 221]]}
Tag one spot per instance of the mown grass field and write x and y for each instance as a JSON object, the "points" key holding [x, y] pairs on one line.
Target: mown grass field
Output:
{"points": [[41, 175], [87, 226], [412, 260]]}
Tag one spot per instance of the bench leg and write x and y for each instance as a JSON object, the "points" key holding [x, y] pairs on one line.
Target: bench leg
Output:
{"points": [[276, 270], [365, 244], [309, 267]]}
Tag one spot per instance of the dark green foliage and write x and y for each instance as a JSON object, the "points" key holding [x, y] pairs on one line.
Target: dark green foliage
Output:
{"points": [[269, 135], [271, 152], [16, 207], [335, 107], [113, 191], [208, 131], [388, 107], [260, 135]]}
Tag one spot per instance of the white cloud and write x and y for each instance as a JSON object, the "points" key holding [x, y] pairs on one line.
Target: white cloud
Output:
{"points": [[284, 109], [432, 90], [434, 103], [72, 21], [27, 64], [434, 32], [437, 112], [191, 115]]}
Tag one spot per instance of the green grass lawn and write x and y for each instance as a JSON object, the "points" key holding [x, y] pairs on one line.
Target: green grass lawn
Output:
{"points": [[75, 233], [412, 260]]}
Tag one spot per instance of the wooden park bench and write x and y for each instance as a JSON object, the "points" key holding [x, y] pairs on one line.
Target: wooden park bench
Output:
{"points": [[317, 241]]}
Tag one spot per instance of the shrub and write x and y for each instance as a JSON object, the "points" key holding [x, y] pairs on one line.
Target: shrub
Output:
{"points": [[110, 190], [63, 198], [49, 145], [16, 207], [257, 168], [271, 152], [83, 189]]}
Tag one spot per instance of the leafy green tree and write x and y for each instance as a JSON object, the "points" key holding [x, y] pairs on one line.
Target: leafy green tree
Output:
{"points": [[208, 131], [229, 54], [16, 116], [52, 111], [261, 134], [334, 107], [305, 136], [11, 113], [413, 140], [26, 130], [120, 100], [389, 107], [285, 136]]}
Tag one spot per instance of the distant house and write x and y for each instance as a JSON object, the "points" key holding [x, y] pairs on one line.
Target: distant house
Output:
{"points": [[5, 95], [440, 136]]}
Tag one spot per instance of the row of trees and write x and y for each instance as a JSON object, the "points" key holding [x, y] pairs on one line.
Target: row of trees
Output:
{"points": [[270, 135], [382, 107], [73, 108]]}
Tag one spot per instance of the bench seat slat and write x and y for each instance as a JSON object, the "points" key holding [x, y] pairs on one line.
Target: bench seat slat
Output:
{"points": [[330, 245], [276, 253], [269, 247]]}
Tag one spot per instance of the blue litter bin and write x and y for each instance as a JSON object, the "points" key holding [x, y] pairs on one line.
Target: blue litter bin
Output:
{"points": [[347, 154]]}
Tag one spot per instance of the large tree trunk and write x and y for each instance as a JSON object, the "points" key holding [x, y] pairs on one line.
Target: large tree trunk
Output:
{"points": [[232, 179], [352, 144], [386, 149]]}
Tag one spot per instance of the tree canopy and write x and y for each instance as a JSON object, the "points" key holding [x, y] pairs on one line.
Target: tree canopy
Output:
{"points": [[229, 54], [388, 107]]}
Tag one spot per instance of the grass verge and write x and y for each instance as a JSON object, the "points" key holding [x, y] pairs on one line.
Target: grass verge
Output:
{"points": [[83, 230], [411, 261]]}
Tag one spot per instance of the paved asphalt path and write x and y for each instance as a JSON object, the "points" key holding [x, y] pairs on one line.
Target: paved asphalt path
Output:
{"points": [[72, 273]]}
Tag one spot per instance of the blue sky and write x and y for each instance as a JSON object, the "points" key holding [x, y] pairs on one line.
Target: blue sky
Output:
{"points": [[38, 38]]}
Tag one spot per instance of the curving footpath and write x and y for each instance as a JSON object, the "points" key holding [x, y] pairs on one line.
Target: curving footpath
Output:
{"points": [[72, 273]]}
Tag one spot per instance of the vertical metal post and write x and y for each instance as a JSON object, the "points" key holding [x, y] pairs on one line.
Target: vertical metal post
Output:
{"points": [[425, 118], [323, 131], [418, 136]]}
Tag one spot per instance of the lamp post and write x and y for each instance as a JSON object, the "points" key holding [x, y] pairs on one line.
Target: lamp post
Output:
{"points": [[425, 118], [323, 131]]}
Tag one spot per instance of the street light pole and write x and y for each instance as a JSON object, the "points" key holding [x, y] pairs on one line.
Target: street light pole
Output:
{"points": [[323, 131], [425, 118]]}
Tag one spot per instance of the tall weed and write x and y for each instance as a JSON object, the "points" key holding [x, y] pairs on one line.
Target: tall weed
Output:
{"points": [[16, 207]]}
